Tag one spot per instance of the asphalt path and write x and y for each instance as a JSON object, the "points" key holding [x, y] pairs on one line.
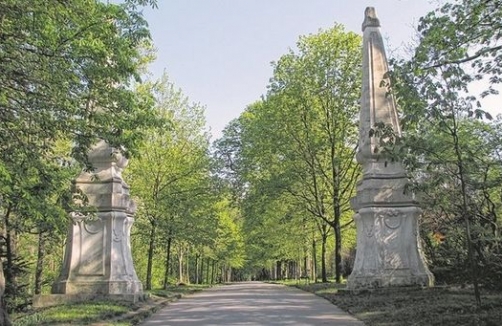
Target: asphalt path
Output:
{"points": [[251, 303]]}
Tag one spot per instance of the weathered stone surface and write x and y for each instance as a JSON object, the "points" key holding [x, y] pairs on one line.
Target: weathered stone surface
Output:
{"points": [[98, 258], [388, 246]]}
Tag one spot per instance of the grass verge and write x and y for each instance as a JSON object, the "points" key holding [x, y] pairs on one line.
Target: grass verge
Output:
{"points": [[447, 306], [103, 313], [77, 313]]}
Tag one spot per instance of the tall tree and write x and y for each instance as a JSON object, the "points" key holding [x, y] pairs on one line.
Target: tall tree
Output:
{"points": [[310, 116], [228, 244], [459, 45], [65, 74], [171, 175], [251, 174]]}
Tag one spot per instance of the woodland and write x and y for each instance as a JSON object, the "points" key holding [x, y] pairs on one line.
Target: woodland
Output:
{"points": [[270, 199]]}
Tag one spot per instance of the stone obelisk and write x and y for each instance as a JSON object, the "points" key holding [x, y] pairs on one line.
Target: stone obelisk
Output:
{"points": [[388, 247], [98, 261]]}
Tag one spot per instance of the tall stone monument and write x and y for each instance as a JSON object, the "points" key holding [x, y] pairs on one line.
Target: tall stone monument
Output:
{"points": [[98, 260], [388, 247]]}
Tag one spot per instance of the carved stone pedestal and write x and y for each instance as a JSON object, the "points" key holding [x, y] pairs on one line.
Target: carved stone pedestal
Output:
{"points": [[98, 260], [388, 250]]}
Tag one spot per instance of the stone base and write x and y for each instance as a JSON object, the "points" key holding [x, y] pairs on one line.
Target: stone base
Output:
{"points": [[388, 249], [391, 290], [397, 279], [98, 288], [48, 300]]}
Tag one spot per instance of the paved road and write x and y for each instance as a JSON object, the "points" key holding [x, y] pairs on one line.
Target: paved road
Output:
{"points": [[251, 303]]}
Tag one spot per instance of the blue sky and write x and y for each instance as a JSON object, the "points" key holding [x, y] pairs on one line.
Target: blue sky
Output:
{"points": [[219, 51]]}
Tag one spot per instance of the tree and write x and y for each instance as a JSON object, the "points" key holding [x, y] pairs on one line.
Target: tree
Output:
{"points": [[250, 173], [459, 45], [171, 176], [310, 116], [276, 231], [65, 75], [228, 244]]}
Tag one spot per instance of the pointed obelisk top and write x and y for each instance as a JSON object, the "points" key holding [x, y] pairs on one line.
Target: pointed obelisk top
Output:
{"points": [[377, 106], [370, 18]]}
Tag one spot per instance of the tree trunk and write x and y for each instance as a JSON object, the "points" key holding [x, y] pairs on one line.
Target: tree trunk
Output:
{"points": [[305, 264], [314, 260], [180, 265], [324, 238], [278, 267], [337, 214], [40, 263], [465, 214], [10, 254], [208, 265], [289, 269], [4, 318], [167, 263], [202, 270], [196, 268], [212, 271], [338, 242], [187, 267], [149, 266]]}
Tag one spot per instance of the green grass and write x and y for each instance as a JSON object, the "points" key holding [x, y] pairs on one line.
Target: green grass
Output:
{"points": [[288, 282], [414, 306], [78, 314], [103, 311], [174, 290]]}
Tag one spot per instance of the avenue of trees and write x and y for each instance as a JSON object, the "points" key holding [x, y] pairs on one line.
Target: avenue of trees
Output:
{"points": [[270, 198], [302, 175]]}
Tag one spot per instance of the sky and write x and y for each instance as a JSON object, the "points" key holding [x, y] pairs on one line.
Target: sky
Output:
{"points": [[219, 51]]}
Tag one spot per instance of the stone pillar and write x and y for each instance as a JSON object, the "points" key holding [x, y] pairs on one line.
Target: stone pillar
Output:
{"points": [[98, 260], [388, 246]]}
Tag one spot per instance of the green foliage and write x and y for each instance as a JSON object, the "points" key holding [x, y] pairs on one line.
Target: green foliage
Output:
{"points": [[66, 71], [454, 154], [172, 184], [463, 32], [229, 245], [273, 230], [65, 81], [300, 177]]}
